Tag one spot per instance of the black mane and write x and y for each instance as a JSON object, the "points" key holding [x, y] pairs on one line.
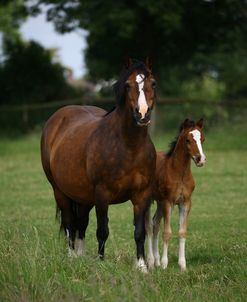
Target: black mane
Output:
{"points": [[119, 86], [188, 124]]}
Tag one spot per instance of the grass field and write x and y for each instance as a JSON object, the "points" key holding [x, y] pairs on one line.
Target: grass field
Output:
{"points": [[33, 259]]}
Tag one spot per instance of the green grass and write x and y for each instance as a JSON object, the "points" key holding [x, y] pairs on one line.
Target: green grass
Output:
{"points": [[33, 259]]}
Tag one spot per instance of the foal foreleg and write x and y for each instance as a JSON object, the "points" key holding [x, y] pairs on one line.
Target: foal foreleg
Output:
{"points": [[156, 227], [149, 232], [184, 209], [167, 209]]}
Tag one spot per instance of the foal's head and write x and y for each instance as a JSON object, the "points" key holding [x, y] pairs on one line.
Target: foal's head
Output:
{"points": [[193, 138], [135, 90]]}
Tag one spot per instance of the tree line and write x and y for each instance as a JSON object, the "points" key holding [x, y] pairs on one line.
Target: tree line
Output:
{"points": [[198, 47]]}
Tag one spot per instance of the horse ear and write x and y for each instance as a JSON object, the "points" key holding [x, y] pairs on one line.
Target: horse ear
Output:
{"points": [[149, 63], [127, 62], [186, 123], [200, 123]]}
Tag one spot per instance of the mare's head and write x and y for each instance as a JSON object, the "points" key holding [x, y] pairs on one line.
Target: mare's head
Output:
{"points": [[135, 91], [193, 138]]}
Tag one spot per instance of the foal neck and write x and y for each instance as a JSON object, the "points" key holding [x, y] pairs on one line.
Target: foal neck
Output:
{"points": [[180, 158]]}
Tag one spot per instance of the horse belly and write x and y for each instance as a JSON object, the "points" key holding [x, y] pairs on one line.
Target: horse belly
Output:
{"points": [[67, 165]]}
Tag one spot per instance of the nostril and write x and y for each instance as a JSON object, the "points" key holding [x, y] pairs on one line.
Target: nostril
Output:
{"points": [[137, 110], [198, 158]]}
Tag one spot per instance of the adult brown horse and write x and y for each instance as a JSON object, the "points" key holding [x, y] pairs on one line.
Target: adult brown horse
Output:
{"points": [[174, 184], [94, 158]]}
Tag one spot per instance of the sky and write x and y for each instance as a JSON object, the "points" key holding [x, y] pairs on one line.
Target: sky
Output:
{"points": [[70, 46]]}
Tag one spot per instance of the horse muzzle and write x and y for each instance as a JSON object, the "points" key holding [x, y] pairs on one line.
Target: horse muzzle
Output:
{"points": [[142, 121]]}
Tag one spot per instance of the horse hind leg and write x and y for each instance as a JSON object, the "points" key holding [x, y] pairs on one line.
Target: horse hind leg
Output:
{"points": [[82, 223], [66, 207]]}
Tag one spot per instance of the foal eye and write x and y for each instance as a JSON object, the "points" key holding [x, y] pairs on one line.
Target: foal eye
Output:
{"points": [[187, 141], [127, 86]]}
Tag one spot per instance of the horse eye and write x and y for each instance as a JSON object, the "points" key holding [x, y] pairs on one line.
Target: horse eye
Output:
{"points": [[187, 141], [153, 84]]}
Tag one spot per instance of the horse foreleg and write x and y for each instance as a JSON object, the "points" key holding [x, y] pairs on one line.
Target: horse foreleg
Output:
{"points": [[184, 209], [156, 227], [139, 234], [149, 232], [167, 209]]}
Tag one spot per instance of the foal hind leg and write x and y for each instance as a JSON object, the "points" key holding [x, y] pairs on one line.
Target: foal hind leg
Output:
{"points": [[167, 209], [149, 233], [184, 210], [156, 227], [65, 205], [82, 223]]}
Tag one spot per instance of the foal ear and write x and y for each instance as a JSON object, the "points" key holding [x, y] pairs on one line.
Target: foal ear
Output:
{"points": [[127, 62], [200, 123], [149, 63]]}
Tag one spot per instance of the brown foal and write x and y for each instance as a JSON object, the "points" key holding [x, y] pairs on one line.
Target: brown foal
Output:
{"points": [[174, 185], [94, 158]]}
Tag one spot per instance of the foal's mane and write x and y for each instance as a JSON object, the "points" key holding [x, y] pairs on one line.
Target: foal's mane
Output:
{"points": [[119, 86], [186, 124]]}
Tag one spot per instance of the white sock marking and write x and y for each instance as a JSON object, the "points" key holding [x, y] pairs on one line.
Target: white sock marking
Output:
{"points": [[164, 259], [181, 259], [156, 250], [142, 102], [80, 246]]}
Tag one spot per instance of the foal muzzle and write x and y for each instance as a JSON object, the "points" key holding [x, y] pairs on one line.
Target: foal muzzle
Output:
{"points": [[199, 160]]}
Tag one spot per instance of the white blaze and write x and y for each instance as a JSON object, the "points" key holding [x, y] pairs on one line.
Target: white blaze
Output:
{"points": [[142, 102], [197, 137]]}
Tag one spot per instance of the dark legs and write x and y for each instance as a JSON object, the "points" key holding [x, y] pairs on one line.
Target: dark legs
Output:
{"points": [[74, 220], [102, 227], [139, 233], [82, 223]]}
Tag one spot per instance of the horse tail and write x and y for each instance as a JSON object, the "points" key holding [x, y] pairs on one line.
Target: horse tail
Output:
{"points": [[68, 218]]}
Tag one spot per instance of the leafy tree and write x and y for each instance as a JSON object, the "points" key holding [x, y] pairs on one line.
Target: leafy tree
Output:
{"points": [[182, 36], [12, 14], [29, 75]]}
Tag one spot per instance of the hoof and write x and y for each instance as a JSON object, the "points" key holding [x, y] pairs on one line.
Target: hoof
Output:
{"points": [[164, 263], [150, 262], [101, 257], [72, 253], [182, 264], [157, 262], [140, 264]]}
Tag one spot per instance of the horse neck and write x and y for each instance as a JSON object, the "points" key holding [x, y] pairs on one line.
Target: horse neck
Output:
{"points": [[180, 159], [132, 134]]}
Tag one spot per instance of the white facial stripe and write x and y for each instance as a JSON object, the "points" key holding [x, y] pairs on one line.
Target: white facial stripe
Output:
{"points": [[142, 102], [197, 137]]}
